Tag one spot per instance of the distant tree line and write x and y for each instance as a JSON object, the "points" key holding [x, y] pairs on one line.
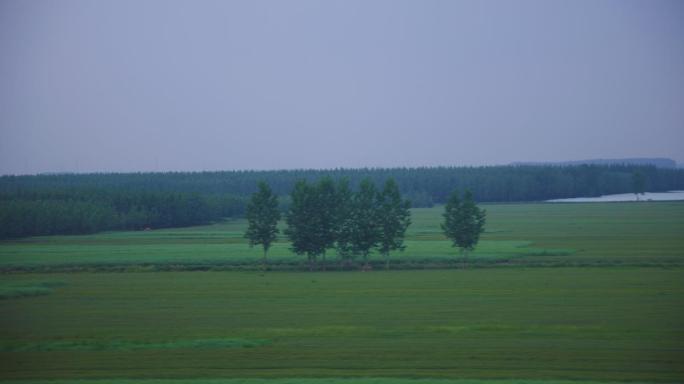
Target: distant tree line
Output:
{"points": [[80, 211], [423, 186], [83, 203]]}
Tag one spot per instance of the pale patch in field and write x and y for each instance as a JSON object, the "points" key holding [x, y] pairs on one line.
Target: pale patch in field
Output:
{"points": [[623, 197]]}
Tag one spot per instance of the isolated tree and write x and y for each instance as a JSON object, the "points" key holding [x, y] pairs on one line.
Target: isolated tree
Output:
{"points": [[638, 183], [463, 222], [365, 228], [394, 217], [303, 223], [262, 218]]}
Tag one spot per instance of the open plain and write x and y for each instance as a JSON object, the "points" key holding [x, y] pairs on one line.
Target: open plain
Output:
{"points": [[591, 292]]}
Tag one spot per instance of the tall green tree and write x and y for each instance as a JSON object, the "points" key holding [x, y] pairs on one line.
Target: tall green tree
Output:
{"points": [[303, 223], [325, 212], [463, 222], [394, 217], [345, 223], [262, 219], [365, 228]]}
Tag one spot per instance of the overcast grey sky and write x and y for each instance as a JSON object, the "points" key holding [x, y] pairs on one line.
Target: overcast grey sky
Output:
{"points": [[207, 85]]}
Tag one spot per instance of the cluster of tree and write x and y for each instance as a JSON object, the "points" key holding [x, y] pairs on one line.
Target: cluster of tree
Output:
{"points": [[87, 211], [328, 214]]}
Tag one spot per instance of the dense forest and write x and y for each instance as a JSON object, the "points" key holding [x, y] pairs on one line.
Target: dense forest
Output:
{"points": [[84, 203]]}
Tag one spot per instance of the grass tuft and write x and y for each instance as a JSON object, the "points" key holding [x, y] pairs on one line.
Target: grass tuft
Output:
{"points": [[16, 291]]}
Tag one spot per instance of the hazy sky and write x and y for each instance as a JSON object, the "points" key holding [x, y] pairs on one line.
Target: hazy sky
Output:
{"points": [[206, 85]]}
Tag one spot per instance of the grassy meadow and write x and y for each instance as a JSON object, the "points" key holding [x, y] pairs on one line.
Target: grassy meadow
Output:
{"points": [[599, 324], [524, 234], [596, 295]]}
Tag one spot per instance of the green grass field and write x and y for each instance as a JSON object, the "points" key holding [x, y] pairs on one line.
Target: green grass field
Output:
{"points": [[528, 234], [598, 324], [610, 310]]}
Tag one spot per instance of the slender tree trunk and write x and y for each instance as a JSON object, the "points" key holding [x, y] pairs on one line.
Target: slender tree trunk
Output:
{"points": [[346, 263], [264, 261], [387, 261], [323, 261]]}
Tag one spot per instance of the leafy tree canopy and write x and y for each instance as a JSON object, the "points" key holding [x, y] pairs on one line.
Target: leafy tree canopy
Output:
{"points": [[262, 218], [463, 221]]}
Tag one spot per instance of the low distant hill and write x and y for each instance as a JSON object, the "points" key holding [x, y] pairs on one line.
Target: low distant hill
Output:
{"points": [[660, 162]]}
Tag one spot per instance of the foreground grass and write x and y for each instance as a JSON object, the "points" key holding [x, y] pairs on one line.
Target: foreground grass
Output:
{"points": [[306, 381], [599, 324], [523, 234]]}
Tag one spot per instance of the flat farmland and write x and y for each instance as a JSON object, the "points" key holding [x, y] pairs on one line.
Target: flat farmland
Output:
{"points": [[649, 233], [555, 292], [601, 324]]}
